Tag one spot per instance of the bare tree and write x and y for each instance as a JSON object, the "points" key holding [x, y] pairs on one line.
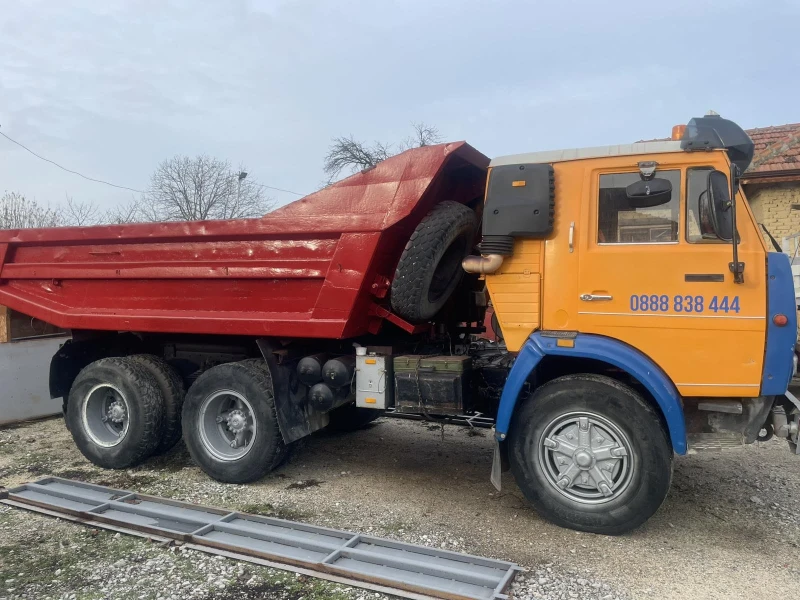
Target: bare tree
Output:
{"points": [[18, 212], [201, 188], [130, 212], [424, 135], [80, 214], [349, 154]]}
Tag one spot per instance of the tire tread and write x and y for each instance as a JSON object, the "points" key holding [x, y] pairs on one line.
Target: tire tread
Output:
{"points": [[173, 391], [429, 239]]}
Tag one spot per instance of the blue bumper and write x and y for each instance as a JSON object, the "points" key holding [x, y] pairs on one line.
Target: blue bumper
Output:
{"points": [[779, 354]]}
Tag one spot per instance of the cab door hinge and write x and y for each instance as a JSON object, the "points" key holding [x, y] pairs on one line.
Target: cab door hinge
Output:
{"points": [[738, 271]]}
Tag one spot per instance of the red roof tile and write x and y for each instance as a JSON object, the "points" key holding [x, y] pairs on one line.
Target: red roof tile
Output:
{"points": [[777, 148]]}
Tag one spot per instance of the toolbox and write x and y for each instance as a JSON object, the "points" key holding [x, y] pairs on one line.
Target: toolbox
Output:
{"points": [[432, 384]]}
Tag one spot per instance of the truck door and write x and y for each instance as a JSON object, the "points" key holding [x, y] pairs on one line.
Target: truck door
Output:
{"points": [[658, 279]]}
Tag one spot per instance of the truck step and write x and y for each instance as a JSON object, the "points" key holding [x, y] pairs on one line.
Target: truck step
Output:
{"points": [[377, 564], [703, 442]]}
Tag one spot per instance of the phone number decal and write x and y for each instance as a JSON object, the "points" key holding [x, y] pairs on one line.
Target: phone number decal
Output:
{"points": [[684, 303]]}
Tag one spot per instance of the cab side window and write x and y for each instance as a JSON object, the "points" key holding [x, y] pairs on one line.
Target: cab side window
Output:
{"points": [[698, 220], [621, 223]]}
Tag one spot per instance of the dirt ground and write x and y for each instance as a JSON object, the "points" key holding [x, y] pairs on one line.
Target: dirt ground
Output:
{"points": [[730, 527]]}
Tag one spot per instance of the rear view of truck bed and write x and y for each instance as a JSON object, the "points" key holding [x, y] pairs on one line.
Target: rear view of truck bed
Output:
{"points": [[316, 268]]}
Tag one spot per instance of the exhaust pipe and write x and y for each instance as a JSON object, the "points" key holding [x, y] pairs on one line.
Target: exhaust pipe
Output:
{"points": [[484, 265]]}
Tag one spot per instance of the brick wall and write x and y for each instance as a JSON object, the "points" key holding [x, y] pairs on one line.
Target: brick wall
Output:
{"points": [[772, 205]]}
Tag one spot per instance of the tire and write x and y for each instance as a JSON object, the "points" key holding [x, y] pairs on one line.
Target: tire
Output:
{"points": [[616, 416], [173, 392], [241, 395], [430, 266], [352, 418], [286, 450], [128, 396]]}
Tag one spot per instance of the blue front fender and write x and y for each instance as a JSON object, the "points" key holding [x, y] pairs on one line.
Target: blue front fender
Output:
{"points": [[606, 350]]}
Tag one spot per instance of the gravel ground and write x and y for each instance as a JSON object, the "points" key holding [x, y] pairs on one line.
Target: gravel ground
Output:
{"points": [[729, 529]]}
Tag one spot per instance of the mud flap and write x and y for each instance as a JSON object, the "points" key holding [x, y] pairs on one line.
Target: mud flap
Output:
{"points": [[295, 421], [497, 467]]}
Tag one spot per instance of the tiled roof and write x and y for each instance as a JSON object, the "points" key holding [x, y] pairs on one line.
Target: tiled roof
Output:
{"points": [[777, 148]]}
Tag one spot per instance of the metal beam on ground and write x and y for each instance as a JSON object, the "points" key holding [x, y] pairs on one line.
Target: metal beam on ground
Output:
{"points": [[378, 564]]}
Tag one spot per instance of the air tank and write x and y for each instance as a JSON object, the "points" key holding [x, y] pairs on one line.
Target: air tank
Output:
{"points": [[338, 372], [321, 397], [309, 369]]}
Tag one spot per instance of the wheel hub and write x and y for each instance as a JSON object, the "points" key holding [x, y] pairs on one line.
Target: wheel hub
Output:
{"points": [[116, 412], [237, 421], [586, 457]]}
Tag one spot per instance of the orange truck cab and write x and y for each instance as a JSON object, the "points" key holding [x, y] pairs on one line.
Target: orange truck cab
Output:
{"points": [[635, 286]]}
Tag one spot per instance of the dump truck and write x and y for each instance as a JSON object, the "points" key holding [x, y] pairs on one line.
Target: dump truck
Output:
{"points": [[639, 315]]}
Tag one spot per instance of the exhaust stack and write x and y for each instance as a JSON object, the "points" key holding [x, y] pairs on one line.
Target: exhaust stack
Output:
{"points": [[483, 265]]}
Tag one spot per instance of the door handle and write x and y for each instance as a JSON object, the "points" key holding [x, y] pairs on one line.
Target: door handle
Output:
{"points": [[571, 236], [593, 297]]}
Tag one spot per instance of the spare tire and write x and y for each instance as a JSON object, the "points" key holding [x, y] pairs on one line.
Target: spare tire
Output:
{"points": [[430, 266]]}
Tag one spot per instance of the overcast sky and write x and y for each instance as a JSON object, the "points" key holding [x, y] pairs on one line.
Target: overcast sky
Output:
{"points": [[111, 88]]}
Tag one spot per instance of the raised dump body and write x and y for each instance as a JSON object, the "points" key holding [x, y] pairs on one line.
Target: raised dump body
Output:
{"points": [[317, 268]]}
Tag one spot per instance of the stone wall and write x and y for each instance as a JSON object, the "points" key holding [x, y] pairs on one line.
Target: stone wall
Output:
{"points": [[772, 205]]}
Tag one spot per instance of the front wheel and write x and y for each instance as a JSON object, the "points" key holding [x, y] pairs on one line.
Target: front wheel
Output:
{"points": [[591, 454]]}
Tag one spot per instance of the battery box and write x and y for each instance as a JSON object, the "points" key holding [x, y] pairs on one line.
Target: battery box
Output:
{"points": [[374, 387], [432, 384]]}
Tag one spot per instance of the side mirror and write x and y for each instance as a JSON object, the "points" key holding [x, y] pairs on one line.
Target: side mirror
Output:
{"points": [[720, 205], [646, 194]]}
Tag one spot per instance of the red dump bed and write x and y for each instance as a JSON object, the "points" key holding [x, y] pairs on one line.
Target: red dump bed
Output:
{"points": [[318, 267]]}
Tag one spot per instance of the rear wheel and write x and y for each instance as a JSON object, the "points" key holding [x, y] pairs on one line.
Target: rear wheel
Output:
{"points": [[229, 423], [114, 413], [285, 451], [172, 391], [590, 454]]}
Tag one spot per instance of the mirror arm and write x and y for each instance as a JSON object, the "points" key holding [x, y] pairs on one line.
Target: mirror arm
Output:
{"points": [[736, 267]]}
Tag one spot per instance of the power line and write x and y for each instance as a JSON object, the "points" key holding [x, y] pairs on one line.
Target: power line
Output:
{"points": [[269, 187], [23, 146], [121, 187]]}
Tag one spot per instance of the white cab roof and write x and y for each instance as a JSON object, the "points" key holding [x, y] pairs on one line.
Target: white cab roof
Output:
{"points": [[551, 156]]}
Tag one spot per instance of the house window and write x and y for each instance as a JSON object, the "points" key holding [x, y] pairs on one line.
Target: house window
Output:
{"points": [[621, 223]]}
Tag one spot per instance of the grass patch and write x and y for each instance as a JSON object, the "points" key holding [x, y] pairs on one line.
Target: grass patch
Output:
{"points": [[265, 509], [305, 484], [395, 527], [76, 474], [42, 557], [280, 584]]}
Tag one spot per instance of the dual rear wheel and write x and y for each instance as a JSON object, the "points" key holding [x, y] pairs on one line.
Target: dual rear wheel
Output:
{"points": [[123, 410]]}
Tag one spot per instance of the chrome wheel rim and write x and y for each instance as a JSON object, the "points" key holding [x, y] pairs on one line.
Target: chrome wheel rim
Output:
{"points": [[227, 425], [586, 458], [105, 415]]}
